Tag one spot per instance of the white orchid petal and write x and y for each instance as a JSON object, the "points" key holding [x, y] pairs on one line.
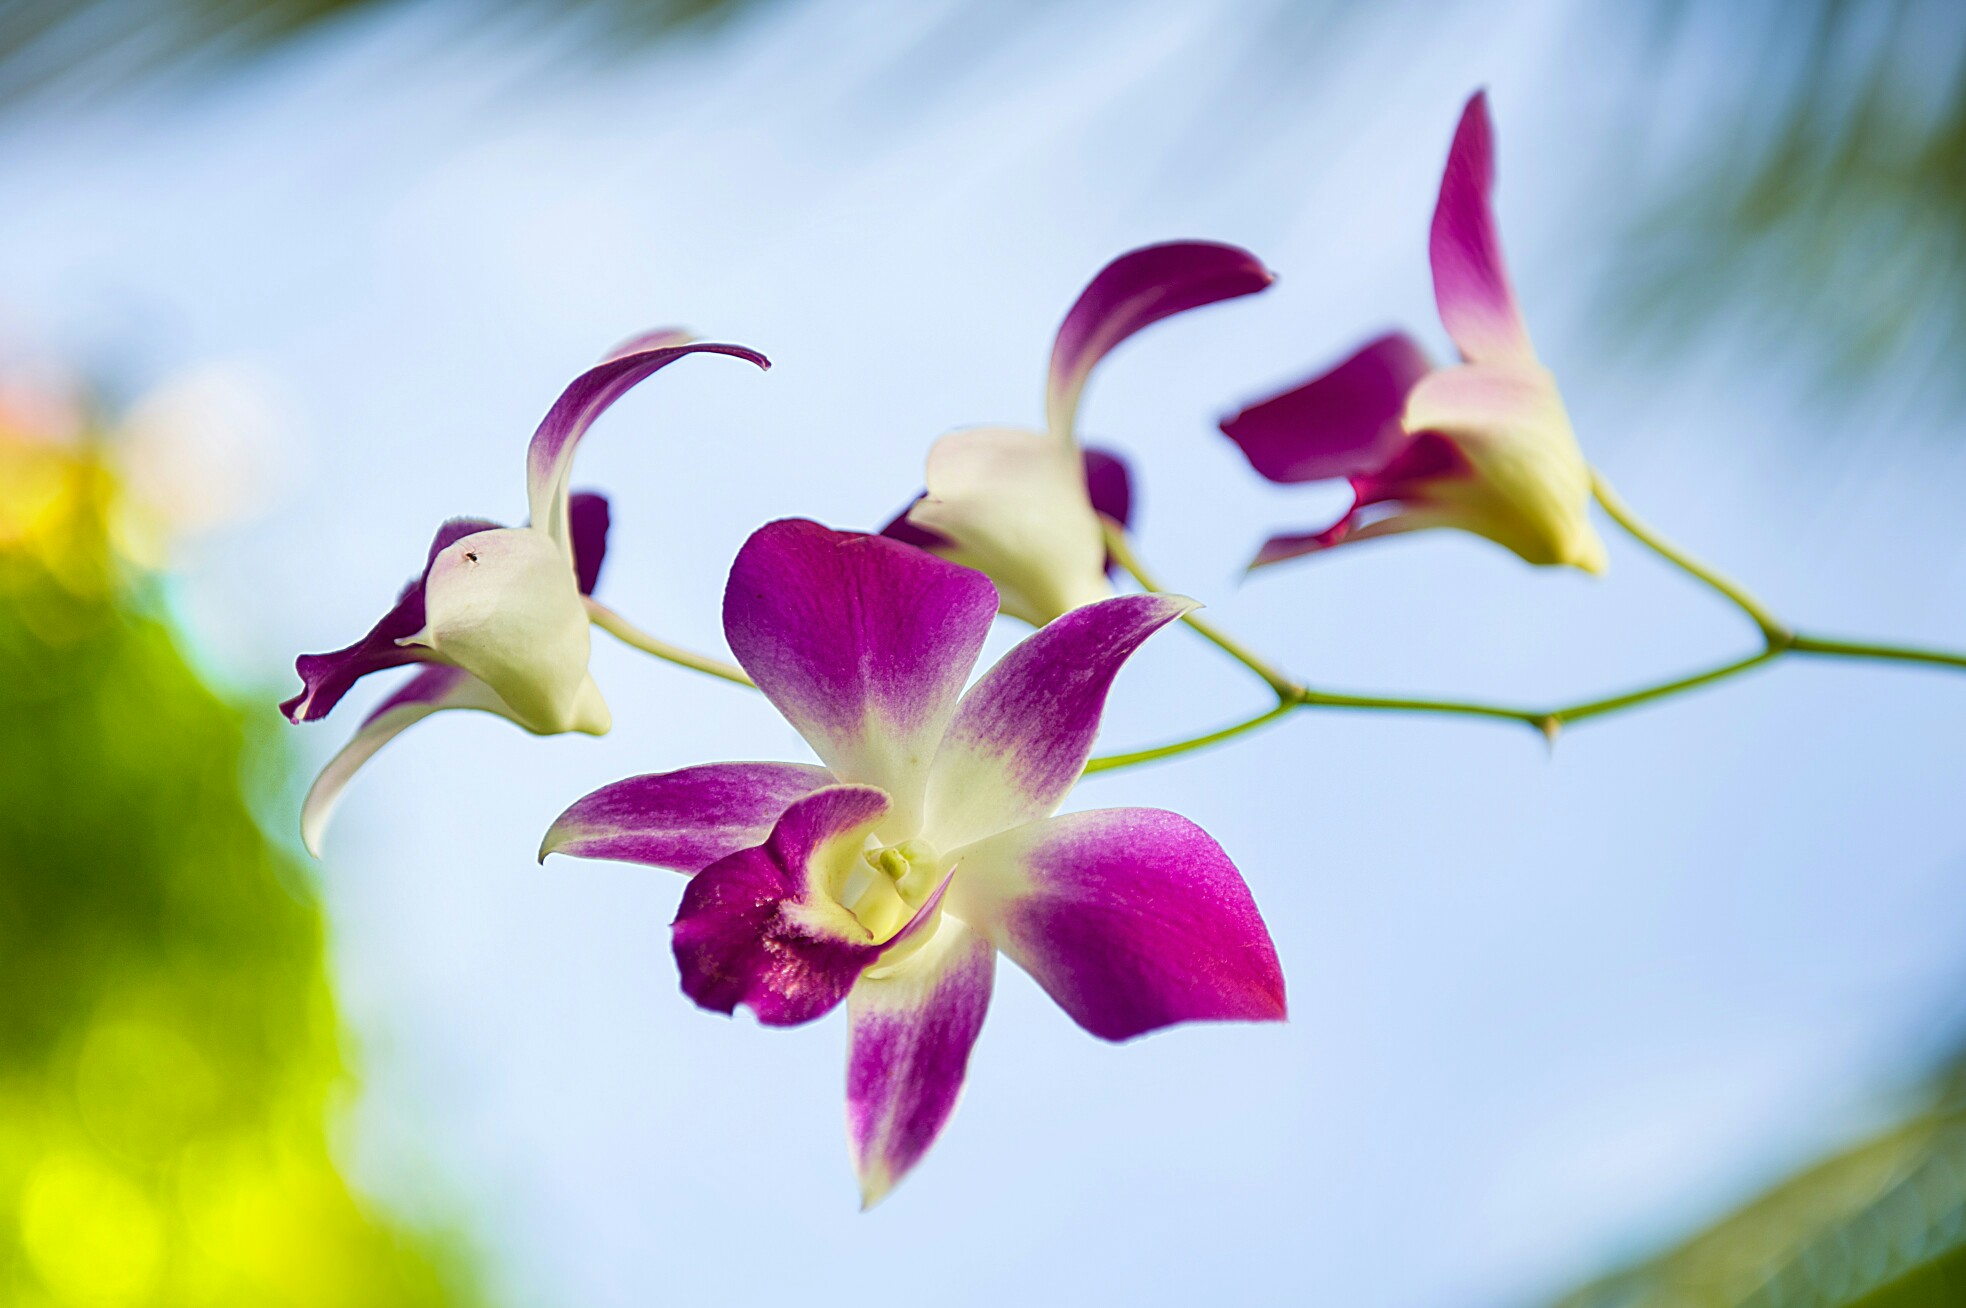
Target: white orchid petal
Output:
{"points": [[504, 605], [1013, 505]]}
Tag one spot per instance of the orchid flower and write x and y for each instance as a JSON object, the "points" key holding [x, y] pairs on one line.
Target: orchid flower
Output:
{"points": [[890, 877], [1025, 507], [499, 617], [1485, 445]]}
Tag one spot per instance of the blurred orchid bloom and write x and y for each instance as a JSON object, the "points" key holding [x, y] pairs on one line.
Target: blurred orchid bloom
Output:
{"points": [[890, 877], [1024, 507], [1484, 446], [500, 616]]}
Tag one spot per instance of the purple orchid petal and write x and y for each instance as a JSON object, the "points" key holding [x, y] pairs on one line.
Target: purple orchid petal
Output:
{"points": [[1405, 495], [683, 820], [1134, 291], [325, 678], [1021, 736], [1357, 526], [1109, 485], [551, 453], [908, 1051], [863, 643], [587, 516], [761, 927], [1427, 459], [1471, 284], [427, 692], [1295, 545], [1341, 423], [1131, 918]]}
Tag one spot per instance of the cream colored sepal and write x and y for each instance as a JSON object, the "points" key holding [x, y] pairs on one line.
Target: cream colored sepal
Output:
{"points": [[504, 606], [1013, 505]]}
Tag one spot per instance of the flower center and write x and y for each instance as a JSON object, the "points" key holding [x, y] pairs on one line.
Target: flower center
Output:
{"points": [[889, 883]]}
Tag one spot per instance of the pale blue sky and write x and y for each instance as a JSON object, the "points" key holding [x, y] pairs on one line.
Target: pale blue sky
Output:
{"points": [[1543, 1009]]}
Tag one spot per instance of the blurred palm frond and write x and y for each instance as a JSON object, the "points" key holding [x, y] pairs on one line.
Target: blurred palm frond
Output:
{"points": [[103, 46], [1826, 199], [1880, 1224]]}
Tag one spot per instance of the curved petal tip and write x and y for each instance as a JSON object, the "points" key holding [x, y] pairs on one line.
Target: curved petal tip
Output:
{"points": [[1133, 292]]}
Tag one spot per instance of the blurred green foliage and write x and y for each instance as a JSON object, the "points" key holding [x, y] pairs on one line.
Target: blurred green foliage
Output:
{"points": [[1822, 209], [93, 45], [1825, 204], [169, 1056], [1879, 1224]]}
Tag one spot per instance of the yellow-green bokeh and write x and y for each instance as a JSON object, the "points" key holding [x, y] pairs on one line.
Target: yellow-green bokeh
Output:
{"points": [[169, 1051]]}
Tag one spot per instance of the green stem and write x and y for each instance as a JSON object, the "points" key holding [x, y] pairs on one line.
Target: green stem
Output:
{"points": [[1548, 721], [1859, 649], [1598, 708], [1402, 704], [1121, 550], [1777, 641], [1235, 649], [1108, 762], [1773, 631], [629, 634]]}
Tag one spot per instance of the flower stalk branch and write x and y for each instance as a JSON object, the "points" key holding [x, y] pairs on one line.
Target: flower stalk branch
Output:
{"points": [[1778, 637], [629, 634], [1121, 551], [1773, 630], [1858, 649], [1110, 762], [1778, 641]]}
